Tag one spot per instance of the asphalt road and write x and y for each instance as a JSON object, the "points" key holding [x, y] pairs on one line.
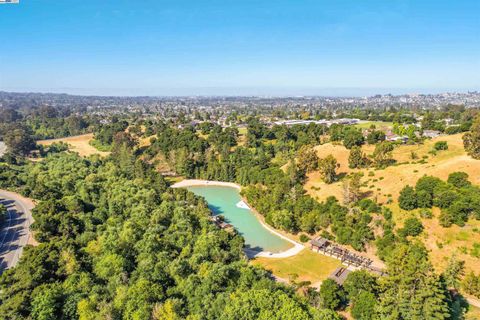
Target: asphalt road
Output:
{"points": [[15, 230]]}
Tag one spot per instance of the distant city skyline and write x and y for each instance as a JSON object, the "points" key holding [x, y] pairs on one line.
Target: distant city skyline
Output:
{"points": [[245, 91], [230, 47]]}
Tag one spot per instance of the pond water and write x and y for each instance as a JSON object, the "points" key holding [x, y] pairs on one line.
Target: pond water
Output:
{"points": [[226, 201]]}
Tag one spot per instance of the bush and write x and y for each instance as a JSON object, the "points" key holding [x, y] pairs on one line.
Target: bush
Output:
{"points": [[413, 227], [408, 198], [426, 213], [304, 238], [440, 145], [458, 179], [368, 205]]}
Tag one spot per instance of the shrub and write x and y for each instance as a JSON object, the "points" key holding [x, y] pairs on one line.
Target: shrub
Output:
{"points": [[475, 252], [304, 238], [368, 205], [408, 198], [458, 179], [426, 213], [413, 227], [440, 145]]}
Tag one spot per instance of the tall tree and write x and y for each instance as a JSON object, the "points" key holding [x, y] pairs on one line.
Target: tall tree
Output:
{"points": [[351, 188], [411, 290], [18, 140], [307, 159], [327, 167], [357, 158], [382, 155], [471, 140]]}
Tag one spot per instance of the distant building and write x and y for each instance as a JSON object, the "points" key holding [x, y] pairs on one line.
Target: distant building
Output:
{"points": [[431, 133], [448, 121], [324, 122], [396, 138]]}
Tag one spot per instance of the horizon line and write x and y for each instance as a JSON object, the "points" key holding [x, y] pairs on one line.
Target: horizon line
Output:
{"points": [[327, 92]]}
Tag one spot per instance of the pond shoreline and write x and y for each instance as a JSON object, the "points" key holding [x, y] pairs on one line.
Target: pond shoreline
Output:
{"points": [[297, 247], [197, 182]]}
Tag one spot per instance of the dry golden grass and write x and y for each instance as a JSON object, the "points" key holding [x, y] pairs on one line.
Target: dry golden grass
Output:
{"points": [[387, 183], [145, 142], [444, 242], [473, 313], [307, 265], [78, 144], [392, 179]]}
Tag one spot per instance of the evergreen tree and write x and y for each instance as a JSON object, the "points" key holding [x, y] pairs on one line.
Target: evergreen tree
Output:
{"points": [[411, 290]]}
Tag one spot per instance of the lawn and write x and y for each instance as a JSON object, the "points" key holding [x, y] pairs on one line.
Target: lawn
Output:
{"points": [[78, 144], [307, 265], [378, 124]]}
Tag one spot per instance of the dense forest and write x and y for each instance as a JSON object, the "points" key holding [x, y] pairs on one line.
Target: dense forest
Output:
{"points": [[115, 242]]}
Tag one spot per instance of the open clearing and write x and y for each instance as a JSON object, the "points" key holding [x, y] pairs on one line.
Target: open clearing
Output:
{"points": [[307, 265], [78, 144], [377, 124], [386, 184]]}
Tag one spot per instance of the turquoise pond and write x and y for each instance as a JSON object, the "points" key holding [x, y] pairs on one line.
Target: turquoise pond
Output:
{"points": [[224, 200]]}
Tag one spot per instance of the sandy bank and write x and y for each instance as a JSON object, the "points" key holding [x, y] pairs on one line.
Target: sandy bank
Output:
{"points": [[196, 182]]}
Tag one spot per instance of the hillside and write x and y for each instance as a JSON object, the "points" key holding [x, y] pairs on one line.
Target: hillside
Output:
{"points": [[80, 144], [385, 184]]}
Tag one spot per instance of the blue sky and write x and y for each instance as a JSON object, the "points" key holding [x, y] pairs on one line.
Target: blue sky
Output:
{"points": [[183, 47]]}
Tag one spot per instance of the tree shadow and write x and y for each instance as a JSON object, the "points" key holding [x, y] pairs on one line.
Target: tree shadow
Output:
{"points": [[459, 306], [215, 209]]}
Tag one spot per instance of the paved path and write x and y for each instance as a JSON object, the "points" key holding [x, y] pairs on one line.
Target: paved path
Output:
{"points": [[15, 230]]}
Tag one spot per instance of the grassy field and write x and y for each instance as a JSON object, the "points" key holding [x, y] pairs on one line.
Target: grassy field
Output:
{"points": [[378, 124], [307, 265], [386, 184], [78, 144]]}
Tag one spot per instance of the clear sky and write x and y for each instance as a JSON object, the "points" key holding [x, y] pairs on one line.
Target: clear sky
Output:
{"points": [[183, 47]]}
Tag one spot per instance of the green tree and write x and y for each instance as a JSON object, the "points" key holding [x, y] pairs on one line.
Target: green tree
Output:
{"points": [[458, 179], [453, 273], [352, 137], [364, 306], [424, 199], [471, 139], [440, 145], [408, 198], [357, 159], [412, 227], [352, 188], [375, 136], [382, 155], [411, 290], [359, 281], [18, 140], [330, 294], [307, 159], [327, 167], [47, 302]]}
